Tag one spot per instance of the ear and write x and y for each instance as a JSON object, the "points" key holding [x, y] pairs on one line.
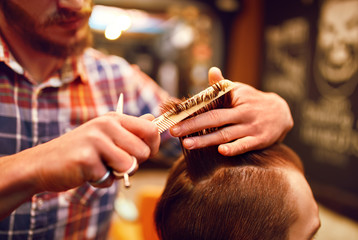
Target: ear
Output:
{"points": [[215, 75]]}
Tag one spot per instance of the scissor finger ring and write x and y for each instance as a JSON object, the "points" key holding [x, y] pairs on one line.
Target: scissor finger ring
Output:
{"points": [[128, 173]]}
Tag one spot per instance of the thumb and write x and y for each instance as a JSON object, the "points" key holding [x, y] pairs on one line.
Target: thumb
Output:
{"points": [[215, 75], [147, 116]]}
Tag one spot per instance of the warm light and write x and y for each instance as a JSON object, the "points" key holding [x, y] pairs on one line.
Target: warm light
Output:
{"points": [[112, 32], [183, 36], [119, 24], [113, 21], [132, 20], [124, 22]]}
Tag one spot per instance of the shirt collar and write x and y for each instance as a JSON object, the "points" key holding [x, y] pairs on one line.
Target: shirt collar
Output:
{"points": [[72, 69]]}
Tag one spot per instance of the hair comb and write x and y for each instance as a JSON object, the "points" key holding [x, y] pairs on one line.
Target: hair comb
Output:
{"points": [[188, 107]]}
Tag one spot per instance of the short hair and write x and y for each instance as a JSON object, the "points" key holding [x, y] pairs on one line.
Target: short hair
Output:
{"points": [[242, 197], [211, 196]]}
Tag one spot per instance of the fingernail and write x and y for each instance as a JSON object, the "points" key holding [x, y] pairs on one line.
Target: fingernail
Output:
{"points": [[223, 149], [188, 143]]}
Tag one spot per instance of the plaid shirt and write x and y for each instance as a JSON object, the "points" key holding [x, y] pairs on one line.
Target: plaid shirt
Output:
{"points": [[32, 113]]}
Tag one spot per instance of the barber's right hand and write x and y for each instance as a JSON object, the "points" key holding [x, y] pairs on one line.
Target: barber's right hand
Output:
{"points": [[85, 154]]}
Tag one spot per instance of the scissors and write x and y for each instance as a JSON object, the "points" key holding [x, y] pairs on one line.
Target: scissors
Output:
{"points": [[118, 175]]}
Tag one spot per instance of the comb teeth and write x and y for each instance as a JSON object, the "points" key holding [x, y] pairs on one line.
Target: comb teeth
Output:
{"points": [[164, 123], [183, 110]]}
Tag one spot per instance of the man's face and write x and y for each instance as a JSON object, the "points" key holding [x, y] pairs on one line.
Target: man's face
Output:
{"points": [[338, 41], [56, 27]]}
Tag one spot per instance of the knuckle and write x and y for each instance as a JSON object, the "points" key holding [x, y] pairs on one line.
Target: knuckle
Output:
{"points": [[86, 156], [153, 130], [258, 142], [246, 89], [213, 114], [197, 144], [261, 141], [290, 123], [233, 149], [111, 114], [256, 127], [94, 135], [144, 153], [155, 149], [99, 123], [107, 119], [190, 124], [224, 136], [243, 147]]}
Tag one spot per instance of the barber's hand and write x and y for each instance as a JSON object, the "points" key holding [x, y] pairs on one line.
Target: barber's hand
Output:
{"points": [[83, 154], [256, 120]]}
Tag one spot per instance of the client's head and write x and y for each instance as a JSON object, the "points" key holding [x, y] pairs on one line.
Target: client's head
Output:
{"points": [[261, 194], [258, 195]]}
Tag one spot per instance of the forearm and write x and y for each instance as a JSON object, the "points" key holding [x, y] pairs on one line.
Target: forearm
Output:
{"points": [[17, 182], [79, 156]]}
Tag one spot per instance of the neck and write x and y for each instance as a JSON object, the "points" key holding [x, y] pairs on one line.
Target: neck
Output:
{"points": [[38, 64]]}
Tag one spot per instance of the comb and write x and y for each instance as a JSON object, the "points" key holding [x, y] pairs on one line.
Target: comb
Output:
{"points": [[190, 106]]}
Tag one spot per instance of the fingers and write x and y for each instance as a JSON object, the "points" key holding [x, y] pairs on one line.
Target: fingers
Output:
{"points": [[255, 120], [215, 75], [130, 171], [213, 118], [121, 139], [148, 116], [146, 131], [240, 146], [116, 170], [231, 148], [115, 157], [132, 144], [223, 135], [86, 153]]}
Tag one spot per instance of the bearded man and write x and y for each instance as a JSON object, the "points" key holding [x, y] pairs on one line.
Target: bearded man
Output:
{"points": [[60, 137]]}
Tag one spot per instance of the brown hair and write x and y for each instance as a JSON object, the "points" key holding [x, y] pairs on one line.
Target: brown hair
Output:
{"points": [[210, 196], [245, 197]]}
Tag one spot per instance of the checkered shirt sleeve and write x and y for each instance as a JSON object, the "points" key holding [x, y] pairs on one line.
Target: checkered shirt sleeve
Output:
{"points": [[31, 114]]}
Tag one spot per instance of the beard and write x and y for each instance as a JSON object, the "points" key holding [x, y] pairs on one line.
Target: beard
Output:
{"points": [[27, 28]]}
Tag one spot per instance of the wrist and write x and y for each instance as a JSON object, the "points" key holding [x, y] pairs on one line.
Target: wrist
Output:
{"points": [[18, 175]]}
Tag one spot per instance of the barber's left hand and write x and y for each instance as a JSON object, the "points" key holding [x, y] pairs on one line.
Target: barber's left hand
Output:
{"points": [[255, 120]]}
